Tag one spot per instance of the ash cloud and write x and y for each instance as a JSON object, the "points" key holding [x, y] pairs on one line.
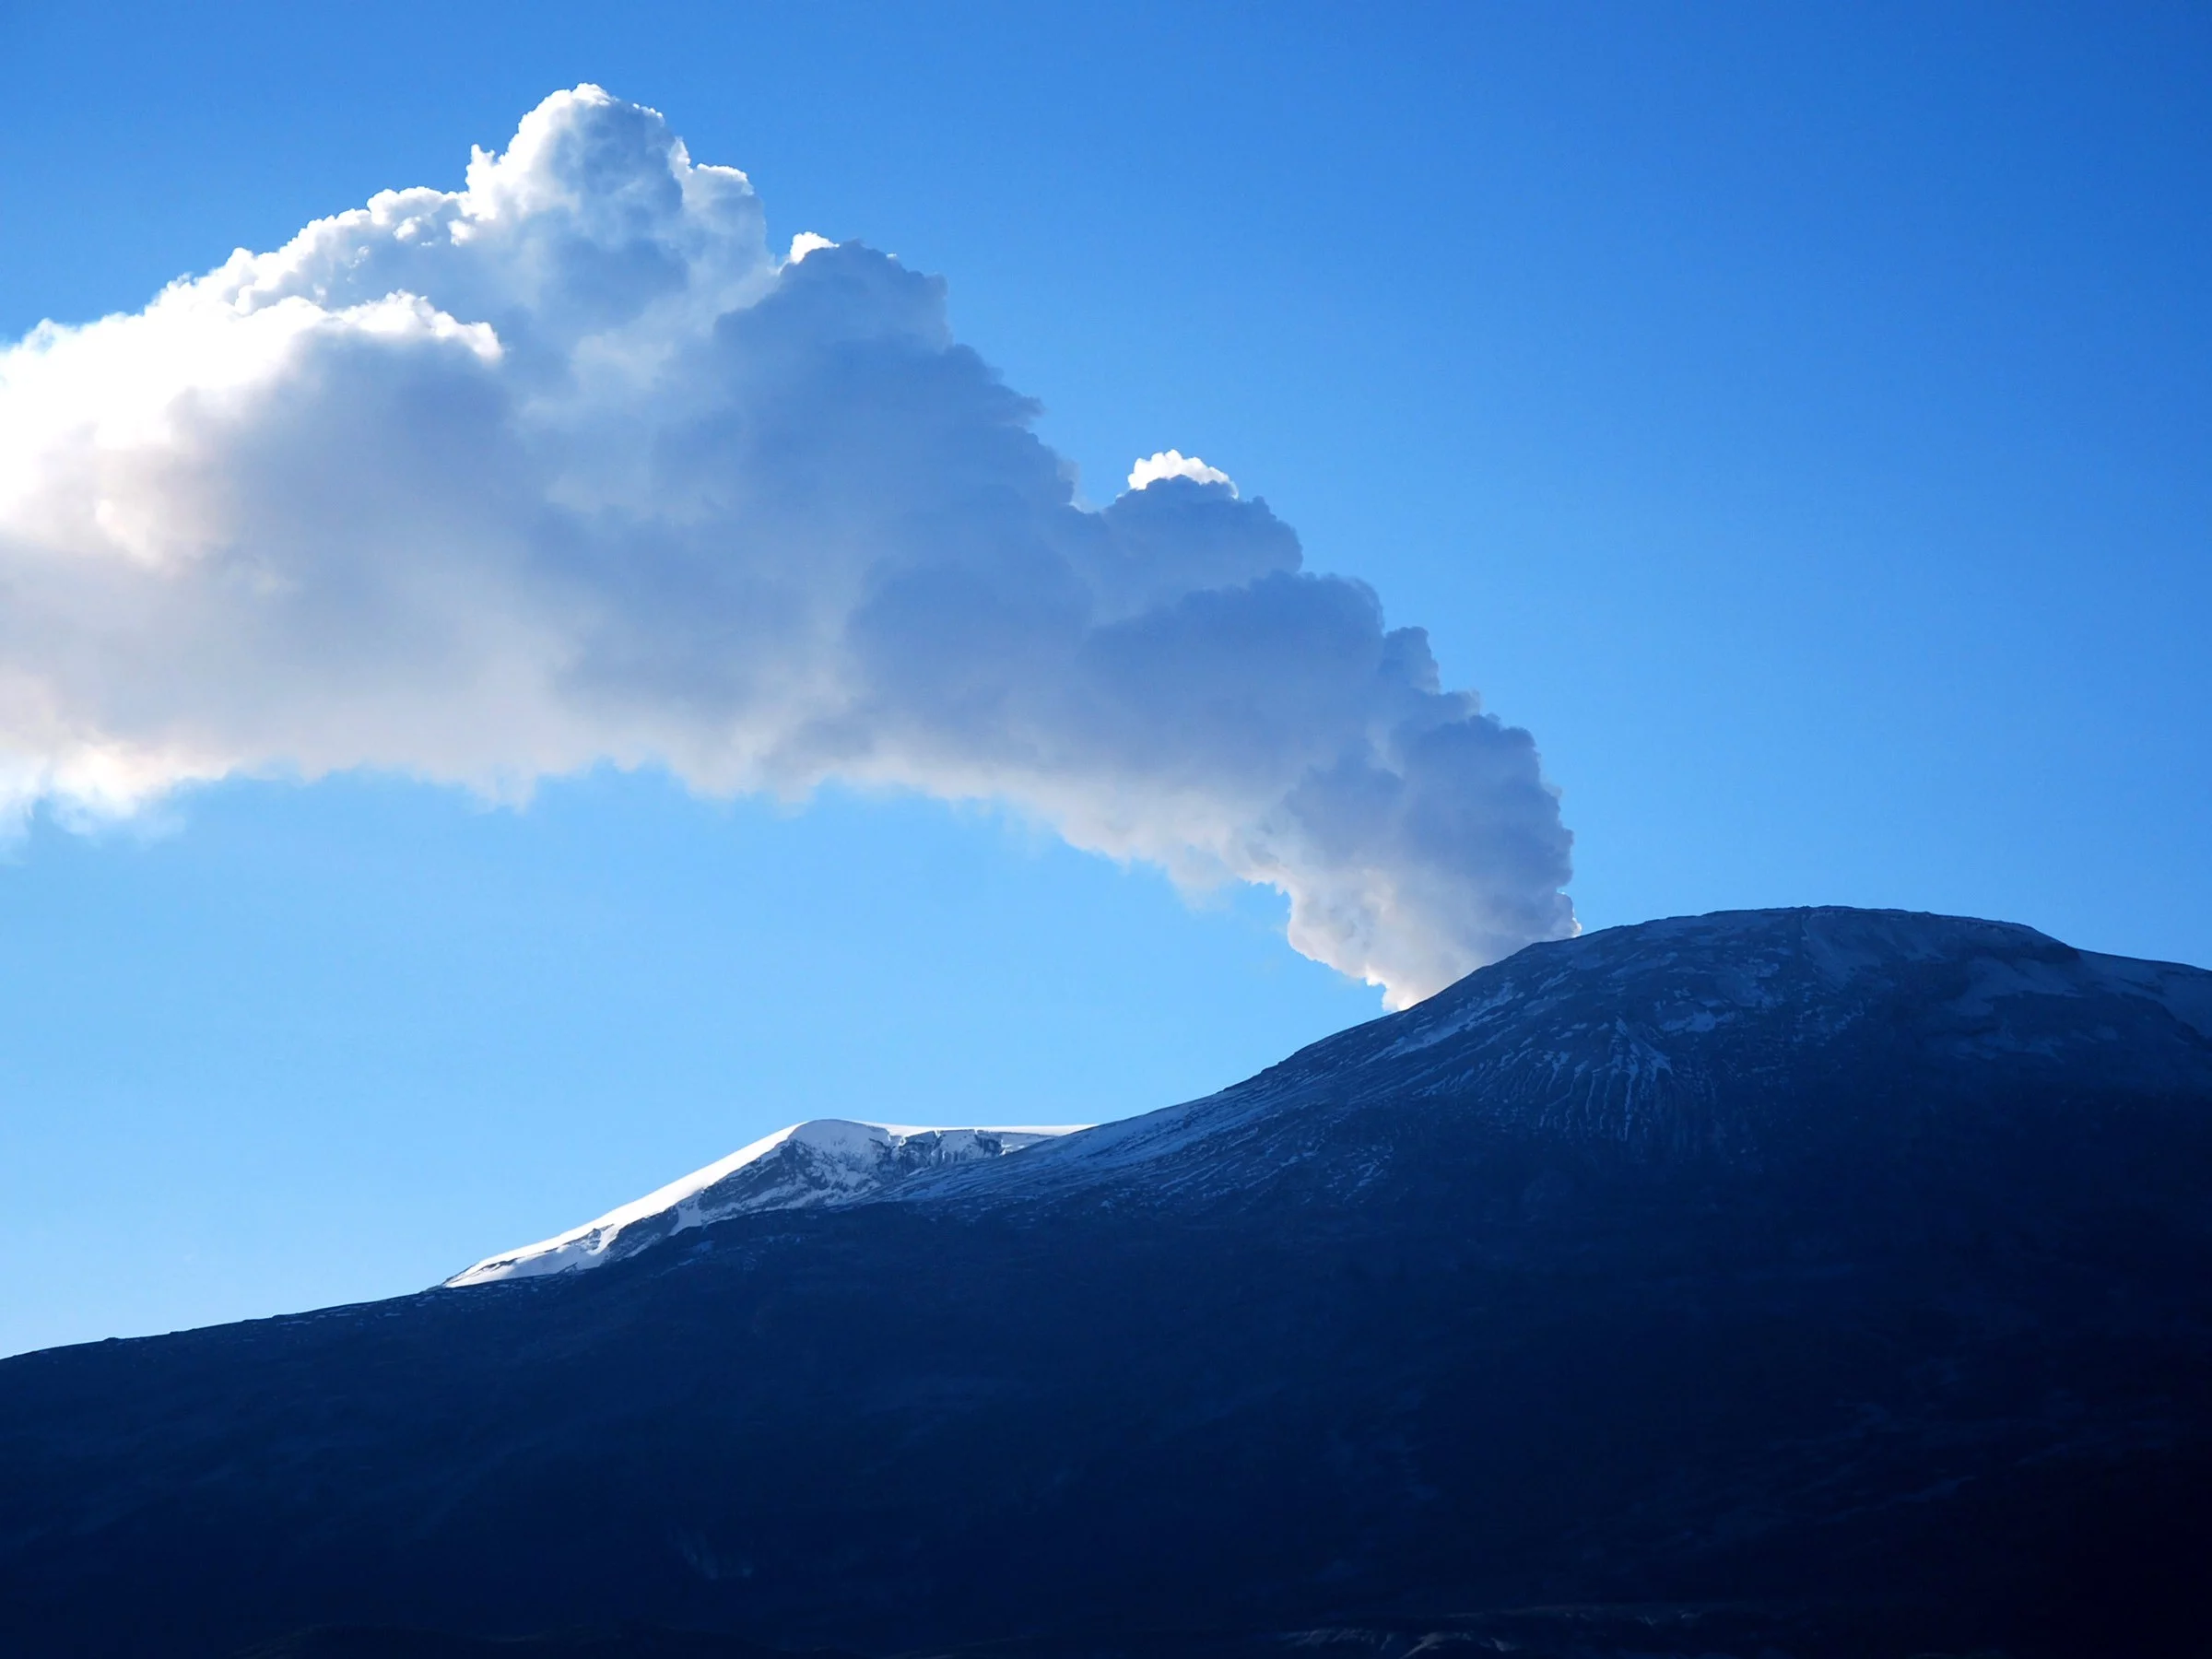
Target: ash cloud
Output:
{"points": [[570, 467]]}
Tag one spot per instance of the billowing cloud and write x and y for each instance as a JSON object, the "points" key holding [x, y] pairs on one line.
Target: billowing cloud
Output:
{"points": [[570, 467], [1174, 463]]}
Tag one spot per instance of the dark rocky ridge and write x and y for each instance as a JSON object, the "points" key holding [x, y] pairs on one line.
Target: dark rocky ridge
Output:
{"points": [[1809, 1282]]}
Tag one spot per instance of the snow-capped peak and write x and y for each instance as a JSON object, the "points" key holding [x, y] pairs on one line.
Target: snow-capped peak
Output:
{"points": [[821, 1162]]}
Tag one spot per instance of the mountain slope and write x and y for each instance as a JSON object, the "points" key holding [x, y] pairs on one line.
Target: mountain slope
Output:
{"points": [[1815, 1283], [1702, 1042]]}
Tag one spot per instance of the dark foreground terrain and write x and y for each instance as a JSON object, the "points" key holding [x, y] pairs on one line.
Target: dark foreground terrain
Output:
{"points": [[1808, 1283]]}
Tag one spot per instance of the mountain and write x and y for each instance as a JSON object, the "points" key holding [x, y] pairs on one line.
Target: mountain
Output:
{"points": [[1812, 1283], [822, 1162]]}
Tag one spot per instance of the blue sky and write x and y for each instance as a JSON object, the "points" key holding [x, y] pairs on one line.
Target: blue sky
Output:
{"points": [[1798, 423]]}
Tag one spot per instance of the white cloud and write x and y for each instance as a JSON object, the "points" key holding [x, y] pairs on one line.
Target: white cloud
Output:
{"points": [[1174, 463], [569, 467]]}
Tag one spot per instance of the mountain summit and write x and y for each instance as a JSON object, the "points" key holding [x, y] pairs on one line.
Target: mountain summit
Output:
{"points": [[1820, 1283], [822, 1162]]}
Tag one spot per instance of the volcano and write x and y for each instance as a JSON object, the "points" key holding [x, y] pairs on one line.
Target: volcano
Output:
{"points": [[1797, 1283]]}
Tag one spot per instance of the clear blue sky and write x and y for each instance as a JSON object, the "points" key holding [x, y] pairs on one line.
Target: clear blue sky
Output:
{"points": [[1800, 420]]}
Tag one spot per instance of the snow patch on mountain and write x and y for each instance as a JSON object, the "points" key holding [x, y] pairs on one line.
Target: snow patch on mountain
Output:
{"points": [[821, 1162]]}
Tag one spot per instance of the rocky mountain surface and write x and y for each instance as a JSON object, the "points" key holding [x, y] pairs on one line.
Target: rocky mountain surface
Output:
{"points": [[1798, 1283]]}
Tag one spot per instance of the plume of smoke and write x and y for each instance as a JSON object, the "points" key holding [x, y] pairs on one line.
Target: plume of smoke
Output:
{"points": [[571, 467]]}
